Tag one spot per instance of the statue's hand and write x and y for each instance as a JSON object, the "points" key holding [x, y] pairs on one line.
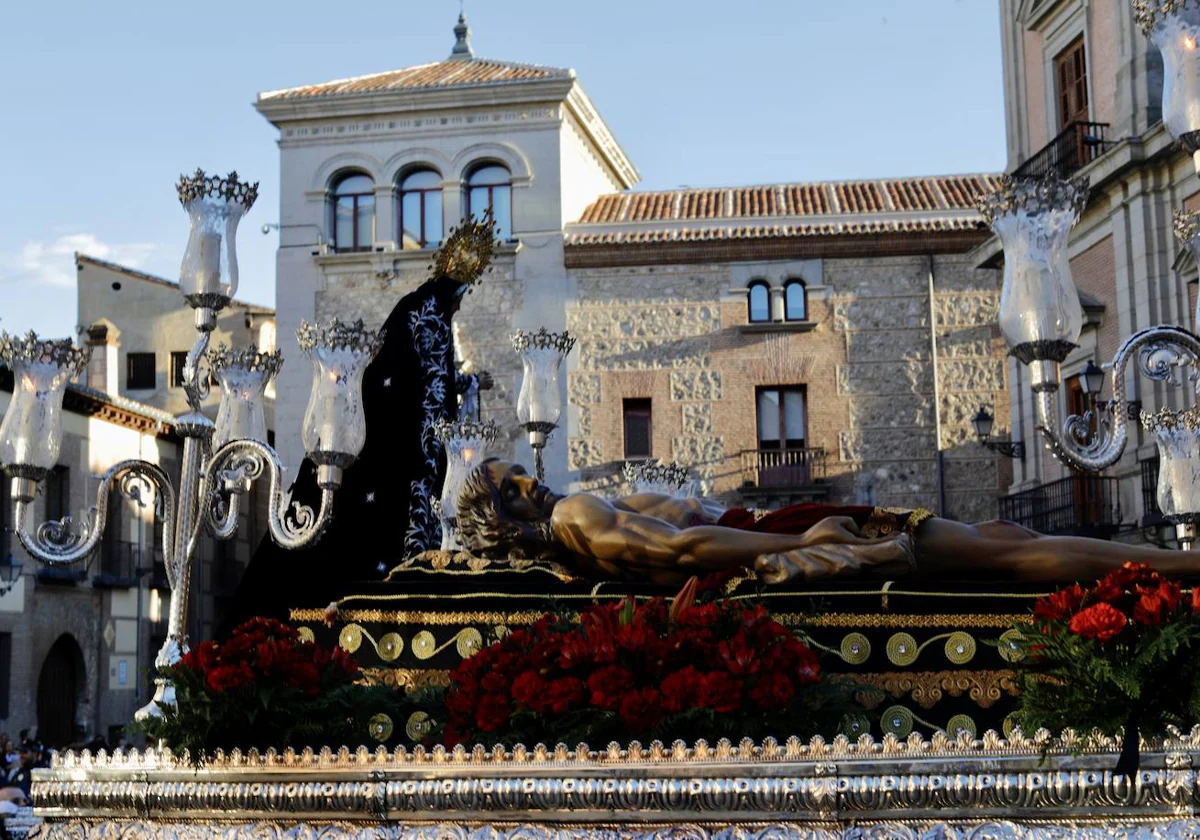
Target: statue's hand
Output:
{"points": [[485, 381]]}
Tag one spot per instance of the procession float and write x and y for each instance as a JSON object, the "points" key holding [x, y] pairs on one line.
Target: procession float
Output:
{"points": [[639, 663]]}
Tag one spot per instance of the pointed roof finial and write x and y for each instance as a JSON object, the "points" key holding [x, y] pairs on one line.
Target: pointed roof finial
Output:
{"points": [[462, 40]]}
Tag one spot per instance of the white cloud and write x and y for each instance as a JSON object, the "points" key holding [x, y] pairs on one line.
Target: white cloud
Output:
{"points": [[53, 263]]}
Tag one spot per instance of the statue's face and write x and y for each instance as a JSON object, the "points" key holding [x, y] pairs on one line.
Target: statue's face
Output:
{"points": [[520, 493]]}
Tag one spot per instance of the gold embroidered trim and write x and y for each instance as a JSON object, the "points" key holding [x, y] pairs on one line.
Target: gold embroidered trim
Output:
{"points": [[410, 679], [849, 620], [926, 688]]}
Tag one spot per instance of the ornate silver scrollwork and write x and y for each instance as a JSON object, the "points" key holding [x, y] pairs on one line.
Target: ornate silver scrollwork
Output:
{"points": [[196, 372], [230, 472], [1095, 440], [63, 542]]}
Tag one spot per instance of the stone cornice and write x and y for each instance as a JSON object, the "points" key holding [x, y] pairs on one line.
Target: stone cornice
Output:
{"points": [[410, 101], [828, 246], [581, 107]]}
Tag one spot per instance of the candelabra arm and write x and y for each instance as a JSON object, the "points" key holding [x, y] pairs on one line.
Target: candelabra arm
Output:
{"points": [[195, 369], [1095, 440], [63, 543], [231, 471]]}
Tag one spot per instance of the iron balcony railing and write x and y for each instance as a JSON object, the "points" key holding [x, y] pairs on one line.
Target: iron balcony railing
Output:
{"points": [[121, 563], [1081, 504], [1075, 147], [781, 468]]}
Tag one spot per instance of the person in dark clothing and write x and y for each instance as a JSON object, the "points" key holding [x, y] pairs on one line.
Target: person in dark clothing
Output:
{"points": [[383, 510]]}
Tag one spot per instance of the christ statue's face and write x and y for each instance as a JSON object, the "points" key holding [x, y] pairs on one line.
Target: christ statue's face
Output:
{"points": [[520, 493]]}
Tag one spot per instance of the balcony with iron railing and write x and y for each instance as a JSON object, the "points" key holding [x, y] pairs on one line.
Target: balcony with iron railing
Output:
{"points": [[121, 563], [1075, 147], [1084, 505], [772, 477]]}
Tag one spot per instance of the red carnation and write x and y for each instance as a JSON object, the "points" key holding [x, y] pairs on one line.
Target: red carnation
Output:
{"points": [[681, 690], [562, 695], [492, 714], [772, 690], [528, 690], [721, 692], [229, 678], [608, 685], [1059, 605], [1101, 622], [641, 710], [573, 651]]}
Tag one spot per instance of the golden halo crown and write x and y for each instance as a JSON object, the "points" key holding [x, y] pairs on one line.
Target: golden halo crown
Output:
{"points": [[466, 254]]}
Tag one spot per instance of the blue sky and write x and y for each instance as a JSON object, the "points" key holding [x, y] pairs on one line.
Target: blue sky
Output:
{"points": [[104, 104]]}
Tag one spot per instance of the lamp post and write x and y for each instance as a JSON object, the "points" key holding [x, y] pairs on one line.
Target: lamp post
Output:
{"points": [[1032, 217], [220, 462], [538, 404]]}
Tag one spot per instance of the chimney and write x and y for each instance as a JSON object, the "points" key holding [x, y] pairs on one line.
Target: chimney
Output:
{"points": [[102, 367]]}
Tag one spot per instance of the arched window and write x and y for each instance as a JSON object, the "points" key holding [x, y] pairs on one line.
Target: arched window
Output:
{"points": [[795, 301], [489, 186], [353, 222], [760, 302], [420, 209]]}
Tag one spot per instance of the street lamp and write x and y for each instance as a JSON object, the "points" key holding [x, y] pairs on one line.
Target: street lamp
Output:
{"points": [[983, 422], [220, 462]]}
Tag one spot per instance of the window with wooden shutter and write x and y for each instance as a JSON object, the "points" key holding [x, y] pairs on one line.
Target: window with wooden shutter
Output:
{"points": [[1070, 72]]}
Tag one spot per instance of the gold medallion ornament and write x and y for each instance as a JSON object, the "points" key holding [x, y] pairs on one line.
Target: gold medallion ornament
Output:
{"points": [[305, 634], [390, 646], [469, 642], [419, 725], [896, 720], [351, 637], [380, 727], [902, 649], [1010, 646], [960, 723], [960, 648], [855, 649], [424, 645], [467, 252]]}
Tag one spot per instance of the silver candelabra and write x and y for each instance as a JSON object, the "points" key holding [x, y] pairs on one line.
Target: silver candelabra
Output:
{"points": [[221, 460]]}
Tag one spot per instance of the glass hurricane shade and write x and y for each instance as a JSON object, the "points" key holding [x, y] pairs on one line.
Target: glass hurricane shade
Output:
{"points": [[466, 444], [31, 434], [243, 376], [1176, 34], [538, 401], [983, 422], [208, 275], [1038, 301], [335, 428], [1179, 469]]}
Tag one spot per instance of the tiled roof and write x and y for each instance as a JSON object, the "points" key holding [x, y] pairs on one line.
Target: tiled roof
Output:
{"points": [[837, 198], [656, 236], [441, 74]]}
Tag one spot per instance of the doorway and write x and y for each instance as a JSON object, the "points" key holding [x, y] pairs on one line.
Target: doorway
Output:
{"points": [[60, 683]]}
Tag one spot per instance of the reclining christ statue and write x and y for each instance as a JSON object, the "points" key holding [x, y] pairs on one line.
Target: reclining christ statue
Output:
{"points": [[505, 513]]}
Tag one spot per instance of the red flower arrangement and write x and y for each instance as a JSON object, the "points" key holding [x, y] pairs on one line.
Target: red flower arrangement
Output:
{"points": [[628, 670], [1113, 657], [265, 687]]}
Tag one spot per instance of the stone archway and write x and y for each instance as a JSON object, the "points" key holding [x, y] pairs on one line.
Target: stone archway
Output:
{"points": [[61, 683]]}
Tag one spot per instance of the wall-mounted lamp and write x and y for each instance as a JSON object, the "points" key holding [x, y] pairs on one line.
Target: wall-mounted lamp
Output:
{"points": [[983, 422]]}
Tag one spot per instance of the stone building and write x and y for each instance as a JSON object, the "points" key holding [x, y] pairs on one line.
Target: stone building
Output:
{"points": [[76, 643], [1083, 92], [826, 340]]}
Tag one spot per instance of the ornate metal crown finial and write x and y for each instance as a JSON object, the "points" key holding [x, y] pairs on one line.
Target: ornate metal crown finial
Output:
{"points": [[1170, 420], [199, 185], [1147, 13], [446, 430], [1187, 225], [247, 358], [543, 340], [339, 335], [662, 473], [1032, 195], [29, 348], [466, 254]]}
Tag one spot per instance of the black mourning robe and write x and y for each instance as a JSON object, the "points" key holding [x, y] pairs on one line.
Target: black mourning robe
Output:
{"points": [[383, 510]]}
